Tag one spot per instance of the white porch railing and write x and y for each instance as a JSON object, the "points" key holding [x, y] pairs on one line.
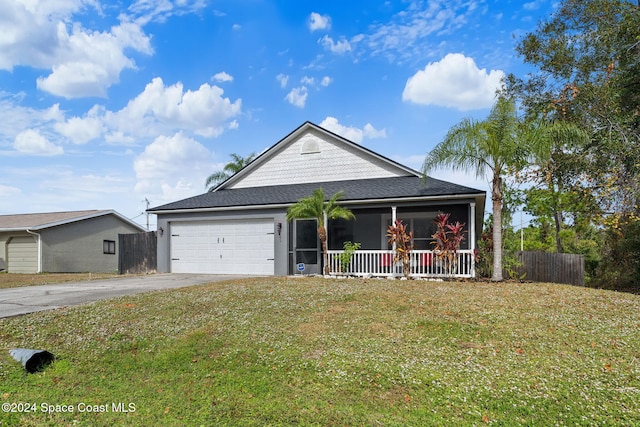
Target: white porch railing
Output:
{"points": [[423, 264]]}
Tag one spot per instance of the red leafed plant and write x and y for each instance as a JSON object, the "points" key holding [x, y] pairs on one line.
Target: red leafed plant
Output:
{"points": [[397, 233], [448, 239]]}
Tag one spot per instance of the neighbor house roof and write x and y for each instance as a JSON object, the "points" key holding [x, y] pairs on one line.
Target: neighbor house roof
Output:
{"points": [[39, 221], [356, 191]]}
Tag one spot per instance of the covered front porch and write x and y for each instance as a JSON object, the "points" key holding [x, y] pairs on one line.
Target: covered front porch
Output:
{"points": [[375, 257], [424, 264]]}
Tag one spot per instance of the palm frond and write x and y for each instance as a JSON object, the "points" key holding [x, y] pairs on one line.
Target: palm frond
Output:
{"points": [[462, 149], [214, 179]]}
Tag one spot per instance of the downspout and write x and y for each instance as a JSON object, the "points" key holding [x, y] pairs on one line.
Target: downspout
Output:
{"points": [[39, 269]]}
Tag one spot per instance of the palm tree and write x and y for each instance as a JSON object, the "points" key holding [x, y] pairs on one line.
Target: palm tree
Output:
{"points": [[489, 146], [229, 169], [316, 207]]}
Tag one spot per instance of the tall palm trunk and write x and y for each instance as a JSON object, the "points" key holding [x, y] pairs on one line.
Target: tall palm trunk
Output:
{"points": [[322, 233], [496, 197]]}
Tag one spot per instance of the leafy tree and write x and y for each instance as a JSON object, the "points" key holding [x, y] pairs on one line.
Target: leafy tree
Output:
{"points": [[229, 170], [588, 59], [587, 56], [488, 147], [317, 207], [553, 171]]}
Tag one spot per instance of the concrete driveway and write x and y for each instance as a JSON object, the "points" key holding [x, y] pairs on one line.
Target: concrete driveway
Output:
{"points": [[29, 299]]}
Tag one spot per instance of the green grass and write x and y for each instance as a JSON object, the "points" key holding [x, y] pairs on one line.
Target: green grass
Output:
{"points": [[290, 351]]}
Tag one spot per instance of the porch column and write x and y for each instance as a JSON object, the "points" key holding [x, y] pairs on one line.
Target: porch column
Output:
{"points": [[393, 247], [472, 236]]}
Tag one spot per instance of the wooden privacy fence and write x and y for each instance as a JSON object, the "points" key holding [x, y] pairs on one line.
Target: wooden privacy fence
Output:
{"points": [[552, 267], [138, 253]]}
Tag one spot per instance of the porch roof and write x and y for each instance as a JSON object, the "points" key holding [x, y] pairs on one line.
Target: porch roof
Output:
{"points": [[406, 187]]}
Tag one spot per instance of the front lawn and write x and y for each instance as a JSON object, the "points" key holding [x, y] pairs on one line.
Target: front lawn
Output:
{"points": [[313, 351]]}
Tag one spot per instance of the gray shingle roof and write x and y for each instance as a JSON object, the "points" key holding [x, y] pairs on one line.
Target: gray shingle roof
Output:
{"points": [[355, 190], [38, 221]]}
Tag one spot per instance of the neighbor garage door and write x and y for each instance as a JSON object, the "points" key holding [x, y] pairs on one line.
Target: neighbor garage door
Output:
{"points": [[22, 255], [223, 247]]}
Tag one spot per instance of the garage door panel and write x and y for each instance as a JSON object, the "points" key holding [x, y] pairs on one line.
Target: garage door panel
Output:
{"points": [[223, 247], [22, 255]]}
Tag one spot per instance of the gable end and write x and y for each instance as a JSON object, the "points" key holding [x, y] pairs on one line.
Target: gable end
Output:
{"points": [[313, 154]]}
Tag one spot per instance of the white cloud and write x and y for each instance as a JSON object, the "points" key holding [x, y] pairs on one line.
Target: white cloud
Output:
{"points": [[283, 79], [6, 191], [308, 81], [16, 118], [82, 61], [454, 82], [32, 142], [90, 62], [170, 164], [340, 47], [319, 22], [81, 131], [30, 32], [161, 10], [119, 138], [372, 133], [326, 81], [351, 133], [157, 110], [222, 77], [410, 31], [297, 96]]}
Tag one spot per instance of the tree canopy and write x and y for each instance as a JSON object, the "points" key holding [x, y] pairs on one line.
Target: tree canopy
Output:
{"points": [[587, 74]]}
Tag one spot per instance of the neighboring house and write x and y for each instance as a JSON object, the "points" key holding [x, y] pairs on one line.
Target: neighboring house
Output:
{"points": [[241, 226], [63, 242]]}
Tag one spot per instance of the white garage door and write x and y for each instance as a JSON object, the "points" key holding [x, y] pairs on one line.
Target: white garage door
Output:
{"points": [[22, 255], [223, 247]]}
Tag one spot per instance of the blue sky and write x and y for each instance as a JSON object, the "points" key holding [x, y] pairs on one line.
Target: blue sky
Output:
{"points": [[105, 105]]}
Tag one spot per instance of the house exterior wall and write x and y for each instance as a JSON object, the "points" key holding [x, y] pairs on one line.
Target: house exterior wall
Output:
{"points": [[316, 158], [277, 215], [78, 246]]}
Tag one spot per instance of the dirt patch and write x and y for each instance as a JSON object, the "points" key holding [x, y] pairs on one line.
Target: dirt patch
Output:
{"points": [[15, 280]]}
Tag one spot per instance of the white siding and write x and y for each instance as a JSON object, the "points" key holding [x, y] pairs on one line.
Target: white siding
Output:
{"points": [[316, 157]]}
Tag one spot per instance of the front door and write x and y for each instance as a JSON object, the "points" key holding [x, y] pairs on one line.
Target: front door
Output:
{"points": [[306, 248]]}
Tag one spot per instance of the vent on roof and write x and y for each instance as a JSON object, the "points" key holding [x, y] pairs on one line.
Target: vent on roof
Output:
{"points": [[309, 147]]}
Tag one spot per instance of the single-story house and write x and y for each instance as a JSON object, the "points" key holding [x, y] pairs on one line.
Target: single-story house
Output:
{"points": [[63, 242], [241, 228]]}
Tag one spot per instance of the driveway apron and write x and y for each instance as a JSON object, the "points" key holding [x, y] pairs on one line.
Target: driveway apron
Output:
{"points": [[29, 299]]}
